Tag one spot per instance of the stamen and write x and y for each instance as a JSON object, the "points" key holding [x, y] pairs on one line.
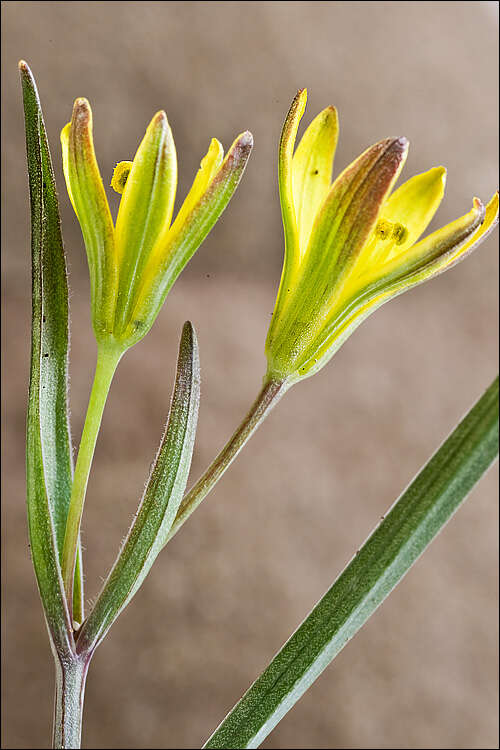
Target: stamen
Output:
{"points": [[120, 175], [386, 230], [399, 233]]}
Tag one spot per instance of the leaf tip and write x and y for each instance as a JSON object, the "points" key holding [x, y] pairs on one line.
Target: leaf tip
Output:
{"points": [[27, 76], [188, 331]]}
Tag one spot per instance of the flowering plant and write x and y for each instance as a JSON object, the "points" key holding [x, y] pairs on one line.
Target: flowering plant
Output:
{"points": [[349, 247]]}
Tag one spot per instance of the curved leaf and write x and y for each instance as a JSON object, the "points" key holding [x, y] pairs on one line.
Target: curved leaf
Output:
{"points": [[48, 454], [411, 524], [160, 502]]}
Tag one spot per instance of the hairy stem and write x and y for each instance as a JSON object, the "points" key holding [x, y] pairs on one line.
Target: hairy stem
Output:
{"points": [[107, 362], [68, 704], [271, 393]]}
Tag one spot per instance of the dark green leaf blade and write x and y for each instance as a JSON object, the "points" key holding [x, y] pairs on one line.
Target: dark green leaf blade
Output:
{"points": [[48, 457], [411, 524], [160, 502]]}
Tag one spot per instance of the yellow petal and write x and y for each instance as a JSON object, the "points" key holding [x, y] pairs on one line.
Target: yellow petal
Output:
{"points": [[410, 209], [349, 215], [65, 161], [340, 232], [145, 210], [437, 253], [285, 160], [443, 247], [312, 171], [174, 250], [438, 249], [208, 168], [87, 195]]}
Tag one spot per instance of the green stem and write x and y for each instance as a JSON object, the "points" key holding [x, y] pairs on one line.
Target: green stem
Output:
{"points": [[272, 391], [68, 705], [107, 362]]}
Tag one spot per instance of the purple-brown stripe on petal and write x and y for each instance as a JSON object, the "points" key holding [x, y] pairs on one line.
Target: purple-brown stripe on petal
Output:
{"points": [[352, 206], [235, 160]]}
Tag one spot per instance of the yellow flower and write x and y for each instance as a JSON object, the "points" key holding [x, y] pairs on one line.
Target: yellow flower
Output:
{"points": [[134, 263], [352, 245]]}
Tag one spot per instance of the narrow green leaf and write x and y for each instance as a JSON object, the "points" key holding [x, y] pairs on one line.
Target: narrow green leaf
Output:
{"points": [[411, 524], [48, 456], [160, 502]]}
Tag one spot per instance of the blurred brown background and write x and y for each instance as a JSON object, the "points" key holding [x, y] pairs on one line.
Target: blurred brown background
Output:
{"points": [[311, 485]]}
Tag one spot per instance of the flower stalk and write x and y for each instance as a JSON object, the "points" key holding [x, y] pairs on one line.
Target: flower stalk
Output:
{"points": [[271, 393], [107, 362]]}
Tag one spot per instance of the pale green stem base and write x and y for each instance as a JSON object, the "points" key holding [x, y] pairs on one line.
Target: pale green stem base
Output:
{"points": [[68, 703], [272, 391], [71, 676], [107, 362]]}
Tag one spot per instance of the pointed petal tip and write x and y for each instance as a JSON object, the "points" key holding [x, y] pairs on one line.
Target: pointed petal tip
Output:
{"points": [[81, 108], [394, 148], [242, 145], [160, 121], [438, 173], [330, 114], [395, 144], [246, 139], [479, 207], [160, 118], [300, 97], [401, 146]]}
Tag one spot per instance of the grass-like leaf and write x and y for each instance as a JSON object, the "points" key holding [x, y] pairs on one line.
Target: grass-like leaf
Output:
{"points": [[159, 503], [48, 458], [411, 524]]}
